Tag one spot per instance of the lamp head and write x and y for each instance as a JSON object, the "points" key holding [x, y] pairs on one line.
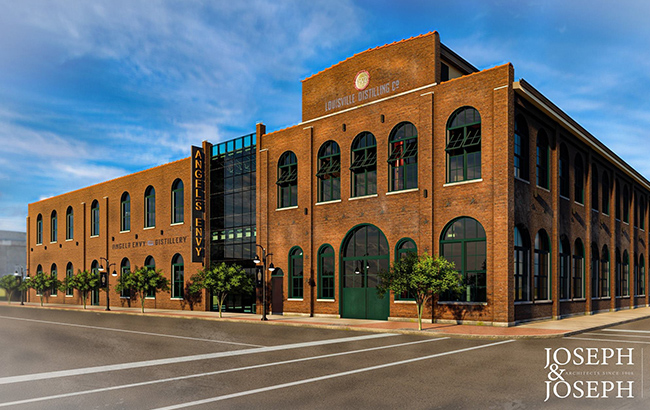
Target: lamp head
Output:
{"points": [[271, 267], [256, 259]]}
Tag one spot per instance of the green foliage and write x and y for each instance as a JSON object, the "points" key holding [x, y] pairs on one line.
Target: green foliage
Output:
{"points": [[41, 282], [220, 280], [11, 284], [84, 281], [141, 281], [422, 277]]}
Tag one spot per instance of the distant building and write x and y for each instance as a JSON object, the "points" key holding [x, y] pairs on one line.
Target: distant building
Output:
{"points": [[402, 148], [13, 256]]}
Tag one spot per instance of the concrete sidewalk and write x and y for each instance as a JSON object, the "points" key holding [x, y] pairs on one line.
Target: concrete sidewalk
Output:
{"points": [[538, 329]]}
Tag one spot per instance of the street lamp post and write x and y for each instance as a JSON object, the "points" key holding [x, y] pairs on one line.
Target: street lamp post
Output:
{"points": [[108, 286], [271, 269], [21, 275]]}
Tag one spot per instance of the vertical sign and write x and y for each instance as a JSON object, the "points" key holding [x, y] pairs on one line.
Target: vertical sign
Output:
{"points": [[198, 204]]}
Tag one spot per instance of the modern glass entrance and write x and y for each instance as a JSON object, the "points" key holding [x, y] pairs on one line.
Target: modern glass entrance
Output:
{"points": [[363, 255]]}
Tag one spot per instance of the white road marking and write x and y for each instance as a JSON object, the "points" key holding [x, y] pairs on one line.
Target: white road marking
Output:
{"points": [[624, 330], [608, 340], [183, 359], [129, 331], [329, 376], [609, 334], [173, 379]]}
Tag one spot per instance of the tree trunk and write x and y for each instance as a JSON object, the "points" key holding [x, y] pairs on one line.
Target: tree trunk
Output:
{"points": [[142, 301], [420, 306], [222, 297], [83, 297], [11, 294], [41, 299]]}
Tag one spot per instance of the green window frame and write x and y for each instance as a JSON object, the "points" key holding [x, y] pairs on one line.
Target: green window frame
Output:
{"points": [[595, 271], [521, 268], [464, 243], [54, 232], [329, 172], [364, 165], [579, 180], [150, 207], [39, 229], [125, 212], [565, 268], [39, 270], [296, 273], [178, 206], [178, 277], [640, 277], [403, 157], [464, 145], [404, 247], [542, 283], [69, 223], [542, 160], [326, 266], [94, 218], [521, 148], [578, 283], [69, 273], [563, 170], [604, 277], [625, 275], [287, 180], [54, 290], [606, 199], [125, 267], [150, 263]]}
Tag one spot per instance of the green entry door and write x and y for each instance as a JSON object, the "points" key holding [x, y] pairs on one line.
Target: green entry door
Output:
{"points": [[364, 254]]}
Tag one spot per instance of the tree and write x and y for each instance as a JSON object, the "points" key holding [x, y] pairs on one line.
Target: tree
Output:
{"points": [[41, 282], [84, 281], [141, 281], [10, 283], [66, 284], [422, 277], [220, 280]]}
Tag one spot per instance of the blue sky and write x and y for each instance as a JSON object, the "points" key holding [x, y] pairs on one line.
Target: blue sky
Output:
{"points": [[92, 90]]}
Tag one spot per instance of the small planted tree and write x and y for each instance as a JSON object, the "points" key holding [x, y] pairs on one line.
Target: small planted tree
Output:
{"points": [[422, 277], [84, 281], [220, 280], [41, 283], [141, 281], [10, 283], [65, 284]]}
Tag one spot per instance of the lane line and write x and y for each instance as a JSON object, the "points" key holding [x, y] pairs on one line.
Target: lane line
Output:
{"points": [[182, 359], [609, 340], [191, 376], [129, 331], [329, 376], [609, 334], [623, 330]]}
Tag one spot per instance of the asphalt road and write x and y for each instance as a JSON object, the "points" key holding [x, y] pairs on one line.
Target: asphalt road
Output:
{"points": [[71, 360]]}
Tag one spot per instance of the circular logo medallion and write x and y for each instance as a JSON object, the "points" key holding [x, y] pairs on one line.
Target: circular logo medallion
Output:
{"points": [[362, 80]]}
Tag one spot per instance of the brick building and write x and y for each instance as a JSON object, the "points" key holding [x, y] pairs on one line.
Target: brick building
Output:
{"points": [[403, 148]]}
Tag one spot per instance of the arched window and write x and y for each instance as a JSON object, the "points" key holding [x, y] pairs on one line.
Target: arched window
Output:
{"points": [[149, 207], [53, 227], [125, 267], [178, 276], [626, 205], [69, 273], [326, 272], [542, 265], [404, 247], [39, 270], [150, 263], [594, 187], [578, 284], [625, 276], [403, 158], [329, 172], [565, 268], [69, 224], [54, 291], [295, 273], [604, 273], [94, 218], [522, 273], [287, 180], [595, 269], [579, 183], [605, 199], [521, 147], [464, 145], [618, 274], [125, 212], [39, 229], [364, 165], [617, 200], [564, 171], [463, 242], [542, 160], [178, 207], [640, 277]]}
